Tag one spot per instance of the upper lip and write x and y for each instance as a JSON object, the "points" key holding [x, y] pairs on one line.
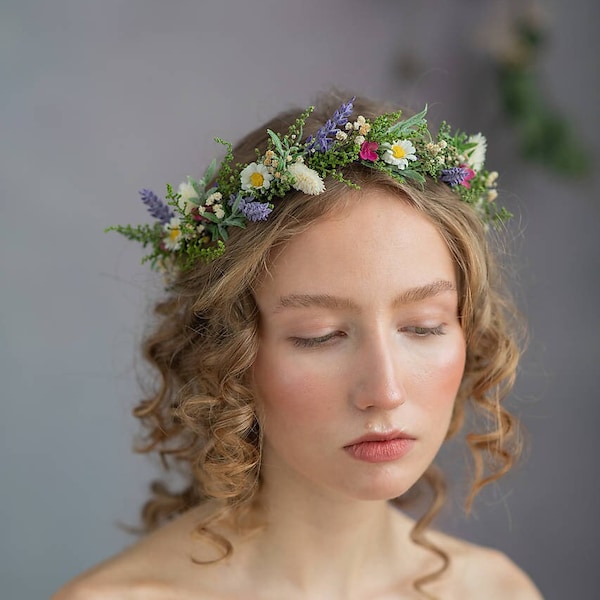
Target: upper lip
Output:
{"points": [[381, 437]]}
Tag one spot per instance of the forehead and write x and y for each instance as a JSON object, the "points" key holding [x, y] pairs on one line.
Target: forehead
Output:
{"points": [[377, 245]]}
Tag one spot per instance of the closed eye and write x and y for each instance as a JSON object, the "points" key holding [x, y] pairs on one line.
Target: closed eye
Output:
{"points": [[424, 331], [317, 341]]}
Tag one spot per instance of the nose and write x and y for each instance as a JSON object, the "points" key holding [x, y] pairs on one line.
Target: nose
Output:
{"points": [[378, 381]]}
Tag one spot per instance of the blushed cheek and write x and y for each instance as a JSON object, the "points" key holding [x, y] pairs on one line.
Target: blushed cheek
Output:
{"points": [[445, 377], [286, 395]]}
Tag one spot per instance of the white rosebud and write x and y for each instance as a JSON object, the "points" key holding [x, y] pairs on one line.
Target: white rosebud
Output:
{"points": [[340, 135], [215, 197], [359, 139], [491, 179], [218, 211]]}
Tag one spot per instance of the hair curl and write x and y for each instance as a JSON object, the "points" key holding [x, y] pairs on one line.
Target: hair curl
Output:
{"points": [[201, 416]]}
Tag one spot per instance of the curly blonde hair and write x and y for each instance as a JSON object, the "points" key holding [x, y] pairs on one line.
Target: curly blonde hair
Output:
{"points": [[201, 416]]}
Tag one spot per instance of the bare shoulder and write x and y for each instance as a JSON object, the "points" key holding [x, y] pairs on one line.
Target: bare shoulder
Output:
{"points": [[480, 571], [152, 569], [90, 589], [120, 578]]}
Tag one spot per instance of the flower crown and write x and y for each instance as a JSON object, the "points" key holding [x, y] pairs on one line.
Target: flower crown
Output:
{"points": [[194, 221]]}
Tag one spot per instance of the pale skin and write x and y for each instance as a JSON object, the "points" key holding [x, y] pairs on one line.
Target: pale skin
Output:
{"points": [[359, 334]]}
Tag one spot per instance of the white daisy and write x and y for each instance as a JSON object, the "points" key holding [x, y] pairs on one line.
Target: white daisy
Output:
{"points": [[173, 238], [189, 197], [255, 177], [307, 180], [476, 155], [399, 153]]}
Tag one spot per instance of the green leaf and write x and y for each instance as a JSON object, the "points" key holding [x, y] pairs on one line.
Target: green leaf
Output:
{"points": [[399, 128], [276, 142], [410, 174], [209, 173]]}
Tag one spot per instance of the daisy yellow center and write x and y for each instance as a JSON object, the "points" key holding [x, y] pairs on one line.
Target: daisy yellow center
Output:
{"points": [[256, 179], [398, 152], [174, 234]]}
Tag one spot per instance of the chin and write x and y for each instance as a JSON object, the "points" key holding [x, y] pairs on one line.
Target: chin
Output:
{"points": [[383, 490]]}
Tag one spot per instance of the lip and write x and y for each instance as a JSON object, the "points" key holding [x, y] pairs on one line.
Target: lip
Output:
{"points": [[383, 447]]}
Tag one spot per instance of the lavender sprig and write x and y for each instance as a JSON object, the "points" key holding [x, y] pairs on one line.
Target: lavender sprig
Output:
{"points": [[255, 211], [156, 207], [325, 136], [454, 175]]}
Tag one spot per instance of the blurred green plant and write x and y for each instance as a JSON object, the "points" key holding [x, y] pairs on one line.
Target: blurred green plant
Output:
{"points": [[545, 135]]}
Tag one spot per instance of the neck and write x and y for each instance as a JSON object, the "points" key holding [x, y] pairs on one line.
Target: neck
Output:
{"points": [[317, 545]]}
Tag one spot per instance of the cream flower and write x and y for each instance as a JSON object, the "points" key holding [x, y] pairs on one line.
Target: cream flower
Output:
{"points": [[189, 197], [214, 197], [218, 211], [359, 140], [399, 153], [491, 179], [476, 155], [360, 121], [307, 180], [173, 238], [255, 177]]}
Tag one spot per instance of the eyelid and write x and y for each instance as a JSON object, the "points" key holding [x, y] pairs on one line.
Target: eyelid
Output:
{"points": [[312, 342], [420, 331]]}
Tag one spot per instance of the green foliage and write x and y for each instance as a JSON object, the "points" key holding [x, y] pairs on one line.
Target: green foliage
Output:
{"points": [[546, 136], [206, 254], [227, 176], [144, 234]]}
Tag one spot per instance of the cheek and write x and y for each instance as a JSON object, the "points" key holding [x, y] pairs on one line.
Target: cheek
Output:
{"points": [[443, 376], [288, 395]]}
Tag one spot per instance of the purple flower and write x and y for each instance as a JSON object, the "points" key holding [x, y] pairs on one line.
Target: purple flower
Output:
{"points": [[255, 211], [156, 207], [457, 176], [341, 115], [325, 136], [251, 209]]}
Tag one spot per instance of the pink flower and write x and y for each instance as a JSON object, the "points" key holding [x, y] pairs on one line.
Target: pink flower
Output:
{"points": [[368, 151], [468, 174]]}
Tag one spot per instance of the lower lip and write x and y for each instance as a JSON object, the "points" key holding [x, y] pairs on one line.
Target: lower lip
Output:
{"points": [[383, 451]]}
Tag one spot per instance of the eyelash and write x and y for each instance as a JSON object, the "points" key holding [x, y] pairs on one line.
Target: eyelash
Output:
{"points": [[317, 341], [421, 332], [425, 331]]}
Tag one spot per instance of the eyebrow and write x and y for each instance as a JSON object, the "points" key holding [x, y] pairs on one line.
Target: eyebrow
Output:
{"points": [[414, 294]]}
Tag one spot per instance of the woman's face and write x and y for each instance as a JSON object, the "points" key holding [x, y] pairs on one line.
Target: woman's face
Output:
{"points": [[361, 352]]}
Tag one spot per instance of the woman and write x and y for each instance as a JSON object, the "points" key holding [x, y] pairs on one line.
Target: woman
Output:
{"points": [[332, 312]]}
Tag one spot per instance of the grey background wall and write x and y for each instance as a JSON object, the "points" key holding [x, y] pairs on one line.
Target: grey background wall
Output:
{"points": [[99, 99]]}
